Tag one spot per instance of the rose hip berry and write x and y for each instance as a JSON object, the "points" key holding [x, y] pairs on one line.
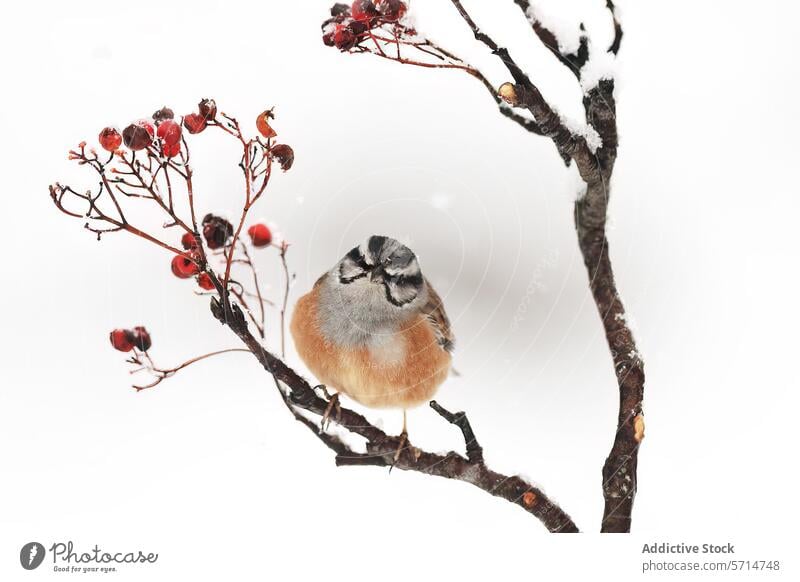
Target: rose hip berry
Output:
{"points": [[110, 139], [194, 123], [204, 281], [283, 154], [122, 339], [392, 10], [171, 150], [216, 231], [169, 132], [363, 10], [138, 135], [188, 241], [142, 338], [260, 234], [207, 109], [183, 267], [343, 37], [163, 114]]}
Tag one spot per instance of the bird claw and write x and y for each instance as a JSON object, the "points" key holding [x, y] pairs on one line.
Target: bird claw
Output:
{"points": [[400, 448], [326, 417], [322, 388]]}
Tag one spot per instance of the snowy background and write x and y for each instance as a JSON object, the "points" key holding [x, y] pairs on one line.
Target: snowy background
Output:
{"points": [[211, 472]]}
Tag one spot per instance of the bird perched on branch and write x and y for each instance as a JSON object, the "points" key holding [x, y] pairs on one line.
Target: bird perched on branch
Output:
{"points": [[374, 329]]}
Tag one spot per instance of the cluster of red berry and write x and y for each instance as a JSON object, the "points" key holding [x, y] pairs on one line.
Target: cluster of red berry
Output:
{"points": [[125, 340], [349, 25], [142, 134], [217, 233]]}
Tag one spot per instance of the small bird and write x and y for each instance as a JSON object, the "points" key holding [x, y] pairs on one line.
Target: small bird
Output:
{"points": [[374, 328]]}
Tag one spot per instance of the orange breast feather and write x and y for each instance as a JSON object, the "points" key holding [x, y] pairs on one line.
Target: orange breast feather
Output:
{"points": [[403, 373]]}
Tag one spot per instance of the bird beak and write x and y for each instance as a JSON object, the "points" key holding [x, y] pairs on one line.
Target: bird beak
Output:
{"points": [[376, 275]]}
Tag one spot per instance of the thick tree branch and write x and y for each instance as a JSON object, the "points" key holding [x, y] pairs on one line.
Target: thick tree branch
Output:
{"points": [[596, 168], [381, 448]]}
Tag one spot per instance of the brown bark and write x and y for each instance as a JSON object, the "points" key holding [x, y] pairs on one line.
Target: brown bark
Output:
{"points": [[381, 448]]}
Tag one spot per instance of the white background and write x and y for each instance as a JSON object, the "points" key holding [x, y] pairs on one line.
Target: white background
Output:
{"points": [[210, 471]]}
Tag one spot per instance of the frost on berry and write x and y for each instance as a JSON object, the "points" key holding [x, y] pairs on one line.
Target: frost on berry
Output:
{"points": [[363, 11], [138, 135], [207, 109], [163, 114], [171, 150], [194, 123], [349, 25], [110, 139], [169, 132]]}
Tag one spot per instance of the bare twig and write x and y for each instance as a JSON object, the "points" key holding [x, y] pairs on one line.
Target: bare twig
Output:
{"points": [[162, 374]]}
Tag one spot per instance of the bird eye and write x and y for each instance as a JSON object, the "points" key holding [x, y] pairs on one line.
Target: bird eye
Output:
{"points": [[387, 261]]}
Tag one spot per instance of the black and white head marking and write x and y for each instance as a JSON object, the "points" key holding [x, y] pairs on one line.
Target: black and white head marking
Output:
{"points": [[388, 263]]}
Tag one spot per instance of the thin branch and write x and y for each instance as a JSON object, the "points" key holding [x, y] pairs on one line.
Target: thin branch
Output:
{"points": [[527, 95], [474, 450], [615, 44], [162, 374], [573, 61]]}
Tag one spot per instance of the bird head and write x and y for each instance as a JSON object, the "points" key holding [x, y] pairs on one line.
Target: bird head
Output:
{"points": [[387, 267]]}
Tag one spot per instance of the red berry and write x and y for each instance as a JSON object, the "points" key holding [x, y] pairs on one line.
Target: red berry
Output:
{"points": [[194, 123], [138, 135], [142, 338], [263, 126], [169, 132], [122, 339], [188, 241], [163, 114], [260, 235], [216, 231], [171, 150], [283, 154], [204, 280], [207, 109], [183, 267], [363, 10], [392, 10], [343, 37], [110, 139]]}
